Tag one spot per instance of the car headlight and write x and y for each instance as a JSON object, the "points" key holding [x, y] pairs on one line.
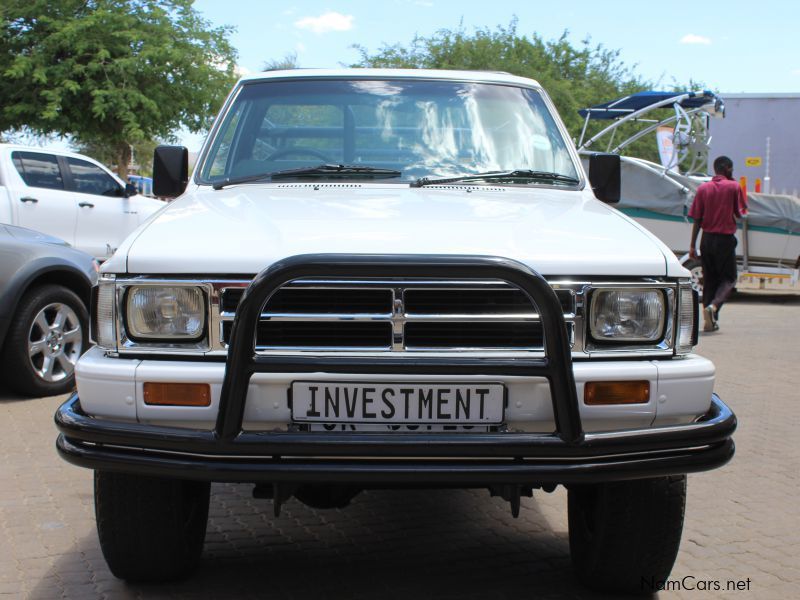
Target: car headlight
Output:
{"points": [[627, 315], [165, 313]]}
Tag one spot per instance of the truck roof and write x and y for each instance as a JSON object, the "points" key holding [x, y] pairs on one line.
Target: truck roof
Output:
{"points": [[359, 73]]}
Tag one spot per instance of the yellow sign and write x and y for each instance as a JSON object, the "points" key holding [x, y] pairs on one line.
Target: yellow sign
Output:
{"points": [[752, 161]]}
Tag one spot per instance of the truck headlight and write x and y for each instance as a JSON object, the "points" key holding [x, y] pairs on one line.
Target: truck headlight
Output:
{"points": [[165, 312], [627, 315]]}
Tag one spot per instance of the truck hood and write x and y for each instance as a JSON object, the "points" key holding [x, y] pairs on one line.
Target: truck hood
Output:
{"points": [[245, 228]]}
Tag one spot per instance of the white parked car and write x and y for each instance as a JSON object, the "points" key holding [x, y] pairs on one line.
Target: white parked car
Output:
{"points": [[383, 278], [69, 196]]}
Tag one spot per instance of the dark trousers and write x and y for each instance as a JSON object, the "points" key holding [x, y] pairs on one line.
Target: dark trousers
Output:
{"points": [[718, 256]]}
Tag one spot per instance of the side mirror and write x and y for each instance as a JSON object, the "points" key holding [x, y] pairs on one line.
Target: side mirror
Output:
{"points": [[170, 171], [605, 177], [130, 190]]}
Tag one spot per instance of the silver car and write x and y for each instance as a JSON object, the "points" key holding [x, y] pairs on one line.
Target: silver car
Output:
{"points": [[45, 287]]}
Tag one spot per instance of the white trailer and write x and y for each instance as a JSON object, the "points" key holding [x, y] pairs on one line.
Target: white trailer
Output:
{"points": [[659, 197]]}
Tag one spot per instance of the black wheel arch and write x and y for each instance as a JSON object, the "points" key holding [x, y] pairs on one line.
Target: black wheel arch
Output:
{"points": [[36, 273]]}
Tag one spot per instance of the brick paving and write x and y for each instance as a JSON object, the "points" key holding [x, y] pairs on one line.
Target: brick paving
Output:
{"points": [[742, 521]]}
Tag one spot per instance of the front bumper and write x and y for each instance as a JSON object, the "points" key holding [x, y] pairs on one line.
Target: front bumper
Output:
{"points": [[465, 459], [227, 452]]}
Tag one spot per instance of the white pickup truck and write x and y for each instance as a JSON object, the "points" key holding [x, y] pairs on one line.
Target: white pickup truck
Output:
{"points": [[69, 196], [393, 279]]}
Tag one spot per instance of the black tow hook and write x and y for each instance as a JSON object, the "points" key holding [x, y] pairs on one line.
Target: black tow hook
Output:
{"points": [[279, 493], [512, 495]]}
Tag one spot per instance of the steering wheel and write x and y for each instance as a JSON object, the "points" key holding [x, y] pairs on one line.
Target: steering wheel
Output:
{"points": [[282, 152]]}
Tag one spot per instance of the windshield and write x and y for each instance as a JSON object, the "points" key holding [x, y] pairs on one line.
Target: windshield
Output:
{"points": [[421, 128]]}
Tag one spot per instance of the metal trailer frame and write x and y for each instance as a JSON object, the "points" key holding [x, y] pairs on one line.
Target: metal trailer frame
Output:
{"points": [[627, 115]]}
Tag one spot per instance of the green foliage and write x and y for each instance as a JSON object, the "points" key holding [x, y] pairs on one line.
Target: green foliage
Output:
{"points": [[110, 72], [574, 76], [108, 154], [289, 61]]}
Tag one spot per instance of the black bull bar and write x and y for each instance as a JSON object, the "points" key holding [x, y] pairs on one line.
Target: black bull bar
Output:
{"points": [[227, 453]]}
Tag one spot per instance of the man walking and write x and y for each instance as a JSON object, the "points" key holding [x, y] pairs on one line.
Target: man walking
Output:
{"points": [[717, 204]]}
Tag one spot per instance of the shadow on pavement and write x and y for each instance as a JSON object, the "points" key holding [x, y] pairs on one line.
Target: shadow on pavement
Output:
{"points": [[764, 296], [7, 395], [413, 544]]}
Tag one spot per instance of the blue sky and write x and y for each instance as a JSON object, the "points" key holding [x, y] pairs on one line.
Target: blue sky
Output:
{"points": [[731, 46]]}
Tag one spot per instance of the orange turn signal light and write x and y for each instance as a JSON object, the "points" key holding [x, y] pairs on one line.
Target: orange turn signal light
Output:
{"points": [[600, 393], [177, 394]]}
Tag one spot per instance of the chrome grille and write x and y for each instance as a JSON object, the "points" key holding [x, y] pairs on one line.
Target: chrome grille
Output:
{"points": [[360, 335], [433, 335], [511, 301], [395, 316], [300, 301]]}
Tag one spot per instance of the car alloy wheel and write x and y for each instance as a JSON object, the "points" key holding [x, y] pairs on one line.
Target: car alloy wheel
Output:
{"points": [[55, 341]]}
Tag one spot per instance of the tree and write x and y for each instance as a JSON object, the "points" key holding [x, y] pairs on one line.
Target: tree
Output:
{"points": [[111, 73], [141, 154], [575, 76], [289, 61]]}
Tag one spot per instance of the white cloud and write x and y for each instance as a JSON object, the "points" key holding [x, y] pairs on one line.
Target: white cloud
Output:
{"points": [[238, 70], [242, 71], [300, 47], [423, 3], [329, 21], [691, 38], [796, 72]]}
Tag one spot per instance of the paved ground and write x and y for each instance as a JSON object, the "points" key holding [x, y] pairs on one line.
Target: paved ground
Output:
{"points": [[742, 521]]}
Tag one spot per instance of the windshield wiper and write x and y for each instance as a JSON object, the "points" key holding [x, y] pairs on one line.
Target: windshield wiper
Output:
{"points": [[525, 174], [316, 171]]}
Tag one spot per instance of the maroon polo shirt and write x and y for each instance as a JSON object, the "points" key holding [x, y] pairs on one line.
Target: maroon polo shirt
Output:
{"points": [[718, 203]]}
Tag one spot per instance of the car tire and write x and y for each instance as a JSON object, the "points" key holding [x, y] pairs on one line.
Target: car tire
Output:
{"points": [[695, 267], [47, 335], [150, 529], [624, 536]]}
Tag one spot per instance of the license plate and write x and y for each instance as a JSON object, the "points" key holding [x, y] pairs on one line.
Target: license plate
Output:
{"points": [[417, 403]]}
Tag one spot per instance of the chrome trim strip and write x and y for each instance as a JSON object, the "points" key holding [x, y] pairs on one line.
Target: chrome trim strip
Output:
{"points": [[433, 352], [476, 318], [320, 316], [260, 350], [457, 318]]}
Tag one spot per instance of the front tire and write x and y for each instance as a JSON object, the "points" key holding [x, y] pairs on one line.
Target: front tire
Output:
{"points": [[624, 536], [150, 529], [47, 336]]}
